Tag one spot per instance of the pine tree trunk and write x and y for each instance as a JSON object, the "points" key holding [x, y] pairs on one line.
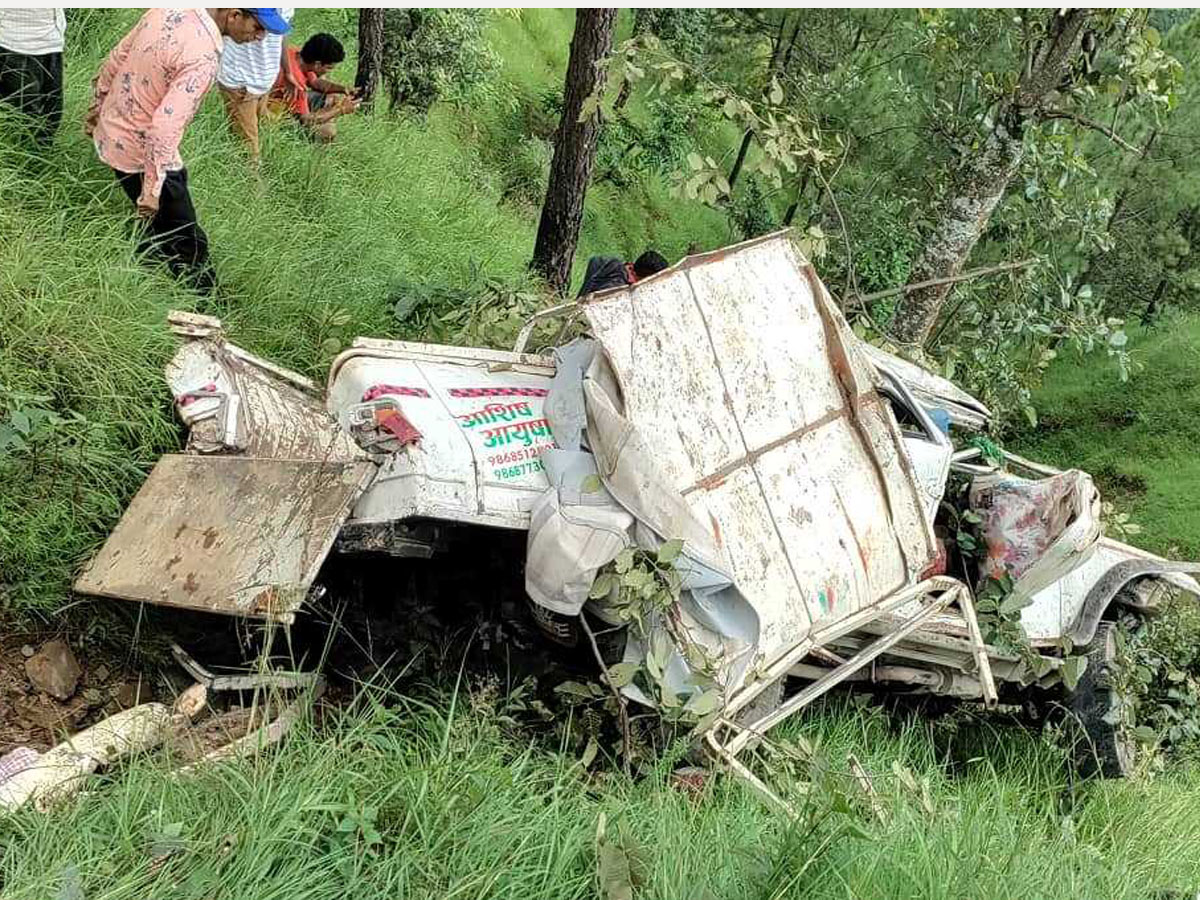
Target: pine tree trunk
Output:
{"points": [[623, 96], [795, 204], [370, 53], [773, 68], [574, 149], [983, 179]]}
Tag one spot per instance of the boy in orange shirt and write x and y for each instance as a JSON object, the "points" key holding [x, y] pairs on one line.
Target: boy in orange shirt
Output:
{"points": [[322, 101]]}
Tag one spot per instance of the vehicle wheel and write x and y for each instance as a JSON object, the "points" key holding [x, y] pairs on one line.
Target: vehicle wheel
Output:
{"points": [[1102, 745]]}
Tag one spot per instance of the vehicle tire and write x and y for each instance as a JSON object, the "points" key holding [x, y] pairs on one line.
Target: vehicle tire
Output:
{"points": [[1102, 744]]}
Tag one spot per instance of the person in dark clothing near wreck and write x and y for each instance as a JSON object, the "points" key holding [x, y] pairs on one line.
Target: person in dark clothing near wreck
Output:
{"points": [[604, 272], [31, 66]]}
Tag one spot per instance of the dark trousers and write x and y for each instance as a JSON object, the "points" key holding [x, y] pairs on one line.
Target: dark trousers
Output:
{"points": [[34, 85], [173, 234]]}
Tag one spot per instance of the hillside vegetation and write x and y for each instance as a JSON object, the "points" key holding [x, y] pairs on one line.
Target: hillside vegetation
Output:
{"points": [[403, 797], [1137, 438]]}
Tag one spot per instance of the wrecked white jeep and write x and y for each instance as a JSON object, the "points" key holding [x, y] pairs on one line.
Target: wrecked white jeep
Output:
{"points": [[722, 408]]}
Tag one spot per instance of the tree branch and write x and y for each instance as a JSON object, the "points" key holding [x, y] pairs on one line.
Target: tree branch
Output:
{"points": [[950, 279], [622, 706], [1092, 124]]}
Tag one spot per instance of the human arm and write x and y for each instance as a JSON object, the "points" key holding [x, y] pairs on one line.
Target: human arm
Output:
{"points": [[330, 112], [323, 86], [188, 87], [102, 83], [291, 85]]}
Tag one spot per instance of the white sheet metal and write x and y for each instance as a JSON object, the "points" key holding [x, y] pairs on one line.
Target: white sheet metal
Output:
{"points": [[227, 534], [763, 414], [482, 424], [932, 390]]}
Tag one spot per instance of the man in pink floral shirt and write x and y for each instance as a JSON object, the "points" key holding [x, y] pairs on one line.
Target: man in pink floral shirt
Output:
{"points": [[144, 96]]}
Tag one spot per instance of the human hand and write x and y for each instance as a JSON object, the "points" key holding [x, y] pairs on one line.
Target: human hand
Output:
{"points": [[147, 207], [292, 87]]}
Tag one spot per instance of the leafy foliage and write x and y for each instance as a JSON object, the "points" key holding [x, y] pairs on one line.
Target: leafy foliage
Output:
{"points": [[641, 589], [431, 54], [1159, 670]]}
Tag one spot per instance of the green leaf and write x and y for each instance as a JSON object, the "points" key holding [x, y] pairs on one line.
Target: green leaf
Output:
{"points": [[1072, 670], [1144, 734], [658, 655], [622, 673], [624, 561], [589, 753], [695, 161], [669, 551], [1030, 416], [20, 421], [591, 484], [635, 578], [776, 95], [613, 871], [575, 689], [603, 586], [704, 703]]}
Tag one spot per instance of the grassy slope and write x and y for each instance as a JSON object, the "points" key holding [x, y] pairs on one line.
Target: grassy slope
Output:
{"points": [[463, 811], [1138, 439], [307, 255]]}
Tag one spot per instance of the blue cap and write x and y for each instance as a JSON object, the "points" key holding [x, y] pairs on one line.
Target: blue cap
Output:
{"points": [[270, 18]]}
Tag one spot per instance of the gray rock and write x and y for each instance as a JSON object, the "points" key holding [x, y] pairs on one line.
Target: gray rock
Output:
{"points": [[54, 670]]}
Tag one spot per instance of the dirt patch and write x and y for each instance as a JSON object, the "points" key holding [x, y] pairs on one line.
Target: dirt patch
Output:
{"points": [[1117, 485], [30, 718], [192, 742]]}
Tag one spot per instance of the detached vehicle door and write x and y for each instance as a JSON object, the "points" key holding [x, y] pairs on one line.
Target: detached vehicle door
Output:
{"points": [[241, 522]]}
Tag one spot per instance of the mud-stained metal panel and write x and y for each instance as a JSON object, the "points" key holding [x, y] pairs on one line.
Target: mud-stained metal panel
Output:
{"points": [[227, 534], [657, 342], [749, 380]]}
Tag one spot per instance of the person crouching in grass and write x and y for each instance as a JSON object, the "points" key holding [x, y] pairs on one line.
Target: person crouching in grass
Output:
{"points": [[321, 102]]}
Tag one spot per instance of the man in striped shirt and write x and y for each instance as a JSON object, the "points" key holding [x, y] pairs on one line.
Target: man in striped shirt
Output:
{"points": [[247, 73], [31, 66]]}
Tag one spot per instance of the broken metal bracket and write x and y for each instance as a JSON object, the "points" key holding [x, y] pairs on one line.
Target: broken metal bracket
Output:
{"points": [[284, 681], [982, 665], [727, 752]]}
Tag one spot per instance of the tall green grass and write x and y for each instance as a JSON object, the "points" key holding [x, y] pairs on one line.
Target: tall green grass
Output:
{"points": [[407, 800], [1138, 439], [310, 253]]}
